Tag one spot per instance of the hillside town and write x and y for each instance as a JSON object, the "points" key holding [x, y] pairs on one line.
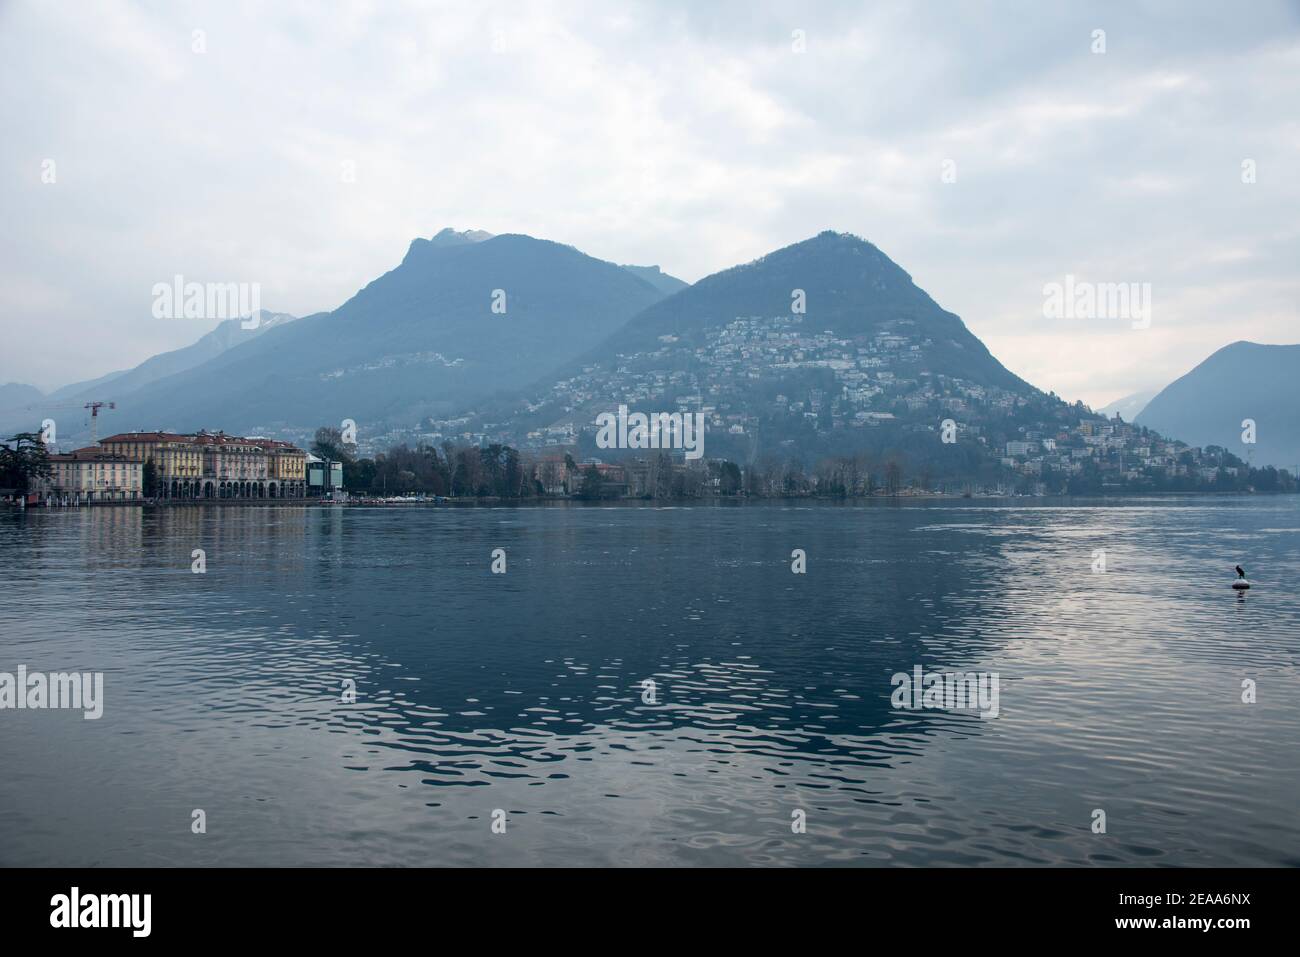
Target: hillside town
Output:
{"points": [[787, 411], [1068, 450], [771, 390]]}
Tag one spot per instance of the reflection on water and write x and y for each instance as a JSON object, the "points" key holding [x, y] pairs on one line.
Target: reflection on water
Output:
{"points": [[523, 691]]}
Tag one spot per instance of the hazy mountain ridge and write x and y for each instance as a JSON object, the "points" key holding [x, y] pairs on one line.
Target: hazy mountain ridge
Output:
{"points": [[228, 334], [1130, 406], [422, 338], [658, 278], [116, 386], [15, 395], [86, 385], [1244, 380]]}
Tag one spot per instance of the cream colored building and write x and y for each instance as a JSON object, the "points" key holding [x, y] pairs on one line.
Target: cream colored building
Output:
{"points": [[94, 475], [214, 465], [287, 464]]}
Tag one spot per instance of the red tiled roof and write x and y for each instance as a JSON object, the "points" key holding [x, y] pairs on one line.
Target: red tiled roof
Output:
{"points": [[92, 454], [198, 438], [146, 437]]}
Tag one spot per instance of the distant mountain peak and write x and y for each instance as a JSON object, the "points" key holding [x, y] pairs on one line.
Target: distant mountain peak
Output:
{"points": [[450, 237], [445, 239], [831, 237], [1129, 407], [827, 244], [16, 396], [1241, 381], [657, 277]]}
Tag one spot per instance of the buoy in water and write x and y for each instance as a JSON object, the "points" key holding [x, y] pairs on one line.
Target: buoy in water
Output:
{"points": [[1240, 584]]}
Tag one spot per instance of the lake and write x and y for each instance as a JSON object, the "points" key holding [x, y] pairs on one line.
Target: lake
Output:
{"points": [[767, 736]]}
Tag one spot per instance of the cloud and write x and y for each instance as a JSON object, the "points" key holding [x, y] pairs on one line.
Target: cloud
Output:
{"points": [[693, 136]]}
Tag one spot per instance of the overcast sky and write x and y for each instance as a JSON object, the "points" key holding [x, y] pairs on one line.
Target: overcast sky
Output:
{"points": [[691, 135]]}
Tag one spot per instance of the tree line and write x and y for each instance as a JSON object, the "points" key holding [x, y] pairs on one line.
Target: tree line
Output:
{"points": [[501, 471]]}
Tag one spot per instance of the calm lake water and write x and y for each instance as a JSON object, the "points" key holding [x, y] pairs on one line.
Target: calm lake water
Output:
{"points": [[522, 691]]}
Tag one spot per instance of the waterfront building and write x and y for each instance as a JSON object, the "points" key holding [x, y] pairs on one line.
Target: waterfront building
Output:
{"points": [[214, 465], [286, 468], [324, 477], [93, 475]]}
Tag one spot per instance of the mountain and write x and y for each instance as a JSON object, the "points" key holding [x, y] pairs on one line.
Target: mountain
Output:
{"points": [[226, 335], [665, 283], [1129, 407], [1244, 380], [86, 385], [15, 396], [460, 318], [822, 347], [850, 288], [826, 355], [116, 386], [450, 237]]}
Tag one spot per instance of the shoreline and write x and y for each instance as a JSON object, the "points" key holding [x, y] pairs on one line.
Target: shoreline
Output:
{"points": [[709, 501]]}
